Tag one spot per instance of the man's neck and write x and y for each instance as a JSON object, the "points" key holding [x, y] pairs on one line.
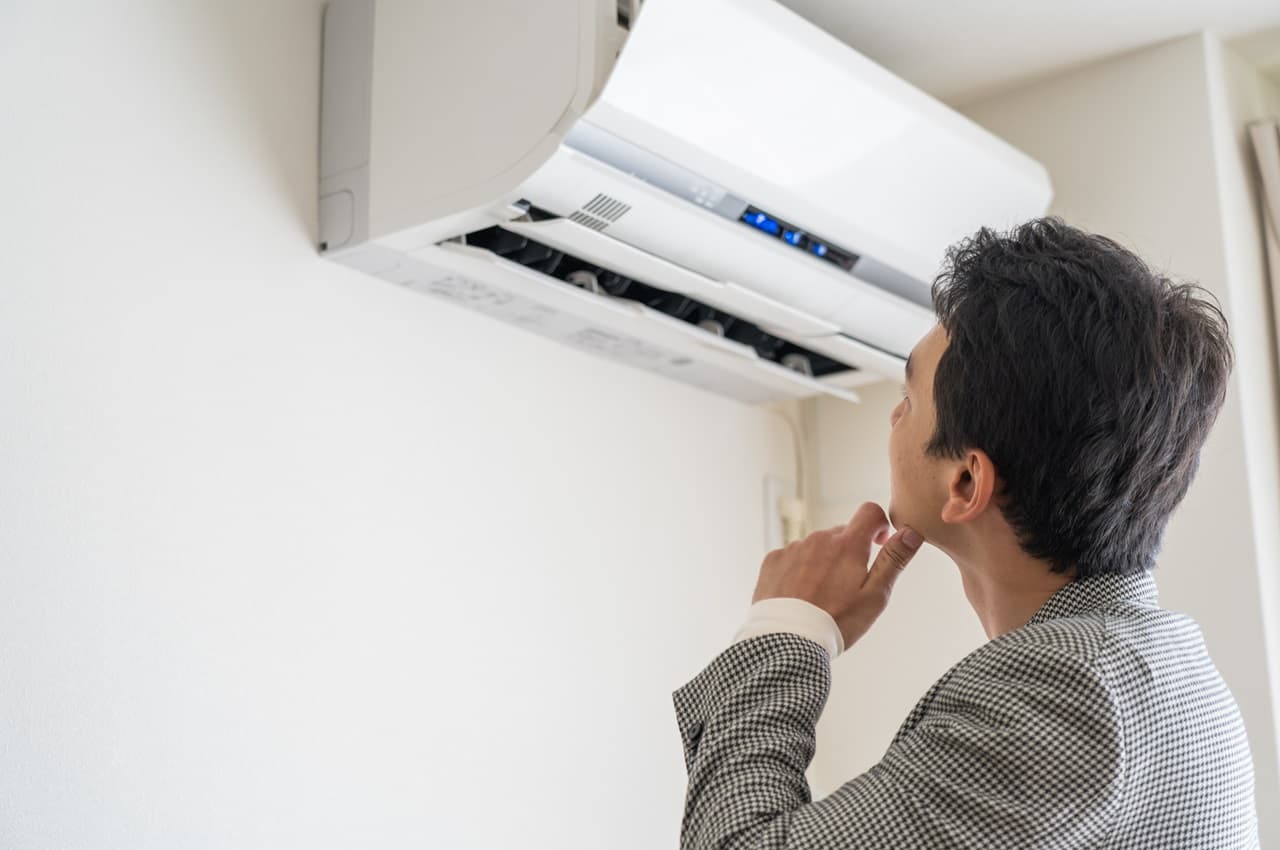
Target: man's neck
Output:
{"points": [[1006, 592]]}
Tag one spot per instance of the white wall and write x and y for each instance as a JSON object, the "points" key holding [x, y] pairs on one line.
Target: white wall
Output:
{"points": [[1134, 153], [293, 558]]}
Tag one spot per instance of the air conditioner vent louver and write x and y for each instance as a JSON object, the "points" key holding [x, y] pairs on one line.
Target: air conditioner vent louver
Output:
{"points": [[610, 209], [599, 212], [589, 221]]}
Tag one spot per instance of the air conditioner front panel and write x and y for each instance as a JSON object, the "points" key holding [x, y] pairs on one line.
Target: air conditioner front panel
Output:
{"points": [[653, 221], [758, 100]]}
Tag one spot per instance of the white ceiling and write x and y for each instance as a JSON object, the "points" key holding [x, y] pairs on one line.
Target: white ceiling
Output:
{"points": [[962, 51]]}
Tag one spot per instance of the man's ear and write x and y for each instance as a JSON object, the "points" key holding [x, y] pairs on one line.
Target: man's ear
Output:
{"points": [[970, 488]]}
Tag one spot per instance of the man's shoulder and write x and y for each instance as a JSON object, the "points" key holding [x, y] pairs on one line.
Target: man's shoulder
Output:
{"points": [[1103, 650], [1078, 643], [1099, 639], [1041, 687], [1032, 668], [1089, 658]]}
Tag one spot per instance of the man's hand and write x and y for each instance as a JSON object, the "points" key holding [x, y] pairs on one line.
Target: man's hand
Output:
{"points": [[829, 569]]}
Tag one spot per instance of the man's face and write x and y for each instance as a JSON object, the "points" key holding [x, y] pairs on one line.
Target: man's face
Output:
{"points": [[916, 489]]}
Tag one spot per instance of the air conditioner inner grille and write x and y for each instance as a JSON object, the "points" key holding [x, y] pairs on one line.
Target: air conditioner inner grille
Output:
{"points": [[569, 269]]}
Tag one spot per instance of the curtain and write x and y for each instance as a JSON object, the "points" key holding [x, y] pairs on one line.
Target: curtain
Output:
{"points": [[1265, 136]]}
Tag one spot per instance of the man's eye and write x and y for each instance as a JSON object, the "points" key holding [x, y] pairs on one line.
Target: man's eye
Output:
{"points": [[904, 390]]}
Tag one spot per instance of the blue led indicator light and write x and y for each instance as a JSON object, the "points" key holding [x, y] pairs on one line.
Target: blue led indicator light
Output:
{"points": [[762, 221], [819, 249], [793, 236]]}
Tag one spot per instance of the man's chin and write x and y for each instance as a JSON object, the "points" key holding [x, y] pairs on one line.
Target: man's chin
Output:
{"points": [[898, 516]]}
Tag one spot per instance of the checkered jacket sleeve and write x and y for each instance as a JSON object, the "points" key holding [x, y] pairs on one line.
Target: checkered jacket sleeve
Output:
{"points": [[1024, 750]]}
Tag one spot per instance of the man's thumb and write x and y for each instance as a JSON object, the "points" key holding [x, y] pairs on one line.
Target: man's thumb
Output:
{"points": [[894, 556]]}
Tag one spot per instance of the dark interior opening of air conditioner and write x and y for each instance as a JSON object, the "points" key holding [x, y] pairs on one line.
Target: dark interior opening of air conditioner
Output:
{"points": [[583, 274]]}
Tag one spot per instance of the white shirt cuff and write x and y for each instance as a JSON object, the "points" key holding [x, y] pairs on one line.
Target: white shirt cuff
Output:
{"points": [[797, 616]]}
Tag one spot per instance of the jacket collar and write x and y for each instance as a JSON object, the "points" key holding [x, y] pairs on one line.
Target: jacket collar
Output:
{"points": [[1099, 591]]}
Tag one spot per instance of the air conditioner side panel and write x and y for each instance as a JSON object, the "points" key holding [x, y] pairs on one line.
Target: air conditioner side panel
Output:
{"points": [[469, 98], [345, 89]]}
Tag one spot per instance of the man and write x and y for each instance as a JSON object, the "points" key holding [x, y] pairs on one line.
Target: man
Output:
{"points": [[1051, 421]]}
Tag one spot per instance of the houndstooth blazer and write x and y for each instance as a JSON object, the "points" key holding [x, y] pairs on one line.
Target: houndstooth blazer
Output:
{"points": [[1101, 723]]}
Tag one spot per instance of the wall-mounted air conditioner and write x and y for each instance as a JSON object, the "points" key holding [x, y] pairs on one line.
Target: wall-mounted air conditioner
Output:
{"points": [[715, 190]]}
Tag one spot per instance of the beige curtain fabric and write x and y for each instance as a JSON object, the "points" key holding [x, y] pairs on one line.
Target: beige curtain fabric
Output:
{"points": [[1265, 136]]}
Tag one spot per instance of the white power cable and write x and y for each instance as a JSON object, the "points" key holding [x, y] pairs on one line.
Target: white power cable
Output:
{"points": [[793, 511]]}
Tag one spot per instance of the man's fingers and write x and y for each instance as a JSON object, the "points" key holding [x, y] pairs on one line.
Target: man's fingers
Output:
{"points": [[893, 558], [866, 526]]}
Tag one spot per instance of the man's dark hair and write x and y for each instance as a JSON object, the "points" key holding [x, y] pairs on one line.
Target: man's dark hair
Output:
{"points": [[1090, 380]]}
